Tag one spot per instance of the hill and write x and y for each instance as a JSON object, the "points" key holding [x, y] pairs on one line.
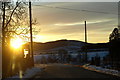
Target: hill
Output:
{"points": [[59, 44], [69, 45]]}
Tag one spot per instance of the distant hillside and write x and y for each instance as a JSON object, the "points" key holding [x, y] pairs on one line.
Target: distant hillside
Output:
{"points": [[59, 44], [69, 45]]}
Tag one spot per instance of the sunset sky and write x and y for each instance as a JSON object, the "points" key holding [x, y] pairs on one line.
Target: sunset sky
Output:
{"points": [[65, 20]]}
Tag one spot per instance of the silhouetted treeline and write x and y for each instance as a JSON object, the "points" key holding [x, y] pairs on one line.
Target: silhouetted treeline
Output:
{"points": [[114, 49], [95, 47]]}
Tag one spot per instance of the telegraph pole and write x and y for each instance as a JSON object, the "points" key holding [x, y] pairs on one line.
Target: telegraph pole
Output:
{"points": [[85, 42], [3, 43], [85, 33], [3, 24], [119, 16], [31, 39]]}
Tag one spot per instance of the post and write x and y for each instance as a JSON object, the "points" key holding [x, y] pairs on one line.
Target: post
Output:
{"points": [[85, 42], [119, 16], [118, 65], [3, 43], [31, 39], [3, 23], [85, 33]]}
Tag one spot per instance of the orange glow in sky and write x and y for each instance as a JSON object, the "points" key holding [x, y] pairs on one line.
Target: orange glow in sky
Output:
{"points": [[66, 21]]}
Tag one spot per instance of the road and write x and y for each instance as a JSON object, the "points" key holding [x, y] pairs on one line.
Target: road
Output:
{"points": [[69, 71]]}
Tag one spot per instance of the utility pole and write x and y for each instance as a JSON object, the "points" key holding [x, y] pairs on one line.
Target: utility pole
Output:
{"points": [[85, 33], [85, 42], [3, 24], [119, 16], [31, 39], [3, 43]]}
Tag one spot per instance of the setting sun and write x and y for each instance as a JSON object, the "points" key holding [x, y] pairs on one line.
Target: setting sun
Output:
{"points": [[16, 42]]}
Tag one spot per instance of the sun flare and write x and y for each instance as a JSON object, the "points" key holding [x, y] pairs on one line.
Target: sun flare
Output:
{"points": [[16, 42]]}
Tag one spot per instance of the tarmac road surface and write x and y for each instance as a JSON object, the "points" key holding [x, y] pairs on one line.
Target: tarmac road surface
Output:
{"points": [[69, 71]]}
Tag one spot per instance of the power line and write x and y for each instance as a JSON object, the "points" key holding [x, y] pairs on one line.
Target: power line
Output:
{"points": [[76, 9]]}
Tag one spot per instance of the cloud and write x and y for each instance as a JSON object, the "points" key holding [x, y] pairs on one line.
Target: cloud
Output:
{"points": [[69, 24], [81, 23]]}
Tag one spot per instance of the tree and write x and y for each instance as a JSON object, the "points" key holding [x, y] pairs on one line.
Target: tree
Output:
{"points": [[15, 23]]}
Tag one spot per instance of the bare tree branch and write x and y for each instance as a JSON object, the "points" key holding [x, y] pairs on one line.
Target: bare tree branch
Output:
{"points": [[11, 15]]}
